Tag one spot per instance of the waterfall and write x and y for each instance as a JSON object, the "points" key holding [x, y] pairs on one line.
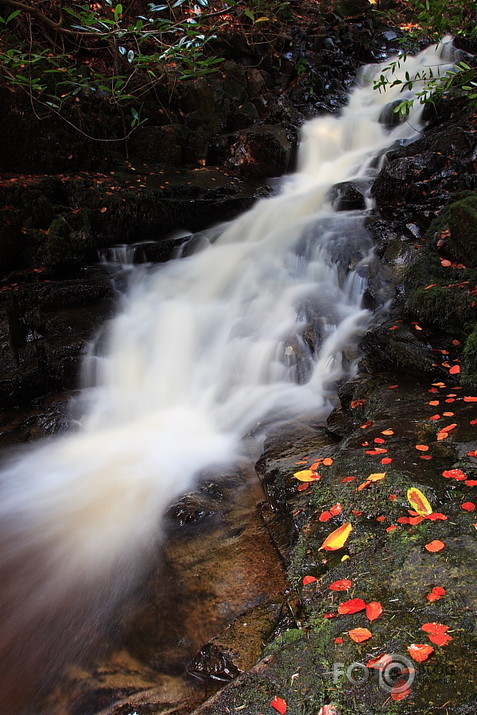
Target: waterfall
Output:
{"points": [[254, 327]]}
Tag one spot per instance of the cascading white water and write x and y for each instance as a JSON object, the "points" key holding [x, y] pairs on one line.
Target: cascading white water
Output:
{"points": [[253, 328]]}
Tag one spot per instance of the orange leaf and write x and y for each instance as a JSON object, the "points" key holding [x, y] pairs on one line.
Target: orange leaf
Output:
{"points": [[336, 509], [279, 704], [387, 432], [435, 545], [420, 651], [455, 370], [449, 428], [348, 479], [373, 610], [468, 506], [422, 447], [308, 579], [343, 585], [328, 461], [386, 460], [470, 399], [352, 606], [338, 538], [325, 516], [358, 635]]}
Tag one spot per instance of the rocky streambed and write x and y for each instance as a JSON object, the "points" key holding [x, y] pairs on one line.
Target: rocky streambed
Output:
{"points": [[237, 615]]}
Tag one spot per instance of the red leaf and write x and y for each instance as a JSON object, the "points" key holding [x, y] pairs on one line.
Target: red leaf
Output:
{"points": [[325, 516], [380, 662], [279, 704], [374, 610], [435, 545], [352, 606], [358, 635], [420, 651], [436, 593], [454, 474], [399, 694], [455, 370], [471, 482], [434, 627], [468, 506], [336, 509], [343, 585], [441, 639], [308, 579], [436, 516]]}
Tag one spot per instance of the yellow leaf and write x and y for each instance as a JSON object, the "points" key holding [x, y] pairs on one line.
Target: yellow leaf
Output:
{"points": [[337, 539], [376, 477], [306, 475], [419, 501]]}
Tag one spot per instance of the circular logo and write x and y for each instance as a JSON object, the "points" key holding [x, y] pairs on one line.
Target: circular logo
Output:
{"points": [[397, 673]]}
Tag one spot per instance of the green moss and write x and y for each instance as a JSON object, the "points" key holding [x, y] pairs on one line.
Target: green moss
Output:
{"points": [[469, 375], [448, 308]]}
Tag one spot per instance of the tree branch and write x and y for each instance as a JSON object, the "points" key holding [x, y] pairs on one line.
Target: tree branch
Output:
{"points": [[45, 20]]}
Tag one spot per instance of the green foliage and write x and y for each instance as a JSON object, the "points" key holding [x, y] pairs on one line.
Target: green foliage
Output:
{"points": [[108, 52], [431, 20]]}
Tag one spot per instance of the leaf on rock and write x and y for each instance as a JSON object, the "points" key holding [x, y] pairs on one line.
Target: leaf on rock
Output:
{"points": [[309, 579], [343, 585], [436, 593], [435, 546], [279, 704], [358, 635], [420, 651], [337, 539], [307, 475], [454, 474], [373, 610], [352, 606], [419, 501]]}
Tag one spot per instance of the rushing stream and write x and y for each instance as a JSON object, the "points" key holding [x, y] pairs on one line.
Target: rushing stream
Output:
{"points": [[255, 327]]}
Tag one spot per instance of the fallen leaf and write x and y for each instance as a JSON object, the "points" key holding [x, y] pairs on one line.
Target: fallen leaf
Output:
{"points": [[434, 627], [440, 639], [103, 209], [307, 475], [381, 662], [328, 461], [373, 610], [470, 399], [308, 579], [468, 506], [358, 635], [420, 651], [422, 447], [325, 516], [473, 453], [352, 606], [454, 474], [435, 546], [337, 538], [279, 704], [419, 501], [392, 527], [471, 482], [455, 370], [386, 460], [343, 585], [348, 479], [398, 694], [339, 640], [387, 432], [437, 593], [435, 417], [436, 516], [336, 509]]}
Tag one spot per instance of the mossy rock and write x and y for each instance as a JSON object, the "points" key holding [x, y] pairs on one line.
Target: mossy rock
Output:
{"points": [[462, 219], [469, 376], [448, 308], [67, 246]]}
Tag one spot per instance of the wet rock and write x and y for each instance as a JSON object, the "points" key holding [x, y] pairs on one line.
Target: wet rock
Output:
{"points": [[346, 197], [398, 350], [390, 118], [260, 151], [159, 145]]}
